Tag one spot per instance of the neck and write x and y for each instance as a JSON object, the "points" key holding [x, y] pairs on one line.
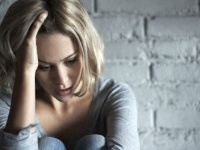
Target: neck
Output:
{"points": [[58, 106]]}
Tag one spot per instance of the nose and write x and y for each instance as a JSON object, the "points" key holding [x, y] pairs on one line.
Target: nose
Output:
{"points": [[60, 76]]}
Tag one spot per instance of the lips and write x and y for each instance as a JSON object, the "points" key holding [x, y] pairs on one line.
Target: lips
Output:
{"points": [[63, 92]]}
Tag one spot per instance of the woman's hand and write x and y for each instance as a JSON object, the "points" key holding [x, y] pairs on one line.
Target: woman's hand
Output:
{"points": [[22, 110], [27, 57]]}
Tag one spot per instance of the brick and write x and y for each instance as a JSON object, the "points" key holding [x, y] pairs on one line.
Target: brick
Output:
{"points": [[183, 96], [149, 97], [4, 5], [174, 49], [119, 27], [145, 118], [174, 27], [147, 6], [167, 118], [146, 137], [176, 140], [126, 72], [124, 50], [175, 72], [196, 137]]}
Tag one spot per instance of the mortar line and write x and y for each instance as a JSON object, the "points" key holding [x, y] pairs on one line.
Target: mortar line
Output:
{"points": [[94, 6], [155, 119]]}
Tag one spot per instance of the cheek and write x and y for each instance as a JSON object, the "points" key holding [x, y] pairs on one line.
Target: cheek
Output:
{"points": [[42, 79], [75, 71]]}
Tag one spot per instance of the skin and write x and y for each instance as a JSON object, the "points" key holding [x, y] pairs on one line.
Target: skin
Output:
{"points": [[54, 62], [22, 110], [60, 66]]}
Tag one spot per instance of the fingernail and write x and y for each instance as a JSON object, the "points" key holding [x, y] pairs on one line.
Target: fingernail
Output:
{"points": [[44, 14]]}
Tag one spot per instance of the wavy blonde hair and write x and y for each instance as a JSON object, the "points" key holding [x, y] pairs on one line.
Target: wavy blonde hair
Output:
{"points": [[68, 17]]}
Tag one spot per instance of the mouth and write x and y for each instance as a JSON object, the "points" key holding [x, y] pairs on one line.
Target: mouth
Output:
{"points": [[64, 92]]}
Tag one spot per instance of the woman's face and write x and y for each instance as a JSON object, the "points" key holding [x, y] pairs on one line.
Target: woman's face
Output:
{"points": [[60, 65]]}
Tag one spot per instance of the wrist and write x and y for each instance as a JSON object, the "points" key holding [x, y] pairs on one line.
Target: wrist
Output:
{"points": [[27, 69]]}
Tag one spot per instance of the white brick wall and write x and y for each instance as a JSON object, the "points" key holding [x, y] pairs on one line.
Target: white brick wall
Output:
{"points": [[153, 45], [147, 6], [118, 27], [174, 27], [173, 72], [181, 119], [126, 72]]}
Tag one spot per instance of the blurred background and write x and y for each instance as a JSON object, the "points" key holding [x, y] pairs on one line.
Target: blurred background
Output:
{"points": [[153, 45]]}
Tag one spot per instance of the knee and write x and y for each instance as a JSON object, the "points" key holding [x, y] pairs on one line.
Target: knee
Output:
{"points": [[91, 142], [51, 143]]}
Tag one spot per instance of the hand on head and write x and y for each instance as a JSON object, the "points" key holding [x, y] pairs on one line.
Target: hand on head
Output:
{"points": [[27, 57]]}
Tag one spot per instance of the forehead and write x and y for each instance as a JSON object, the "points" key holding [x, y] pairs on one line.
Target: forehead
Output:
{"points": [[53, 38], [54, 47]]}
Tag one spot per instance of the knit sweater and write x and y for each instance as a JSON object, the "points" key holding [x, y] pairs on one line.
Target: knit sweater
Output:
{"points": [[113, 114]]}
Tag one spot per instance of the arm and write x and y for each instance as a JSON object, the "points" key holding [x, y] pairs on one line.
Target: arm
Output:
{"points": [[122, 129], [22, 110]]}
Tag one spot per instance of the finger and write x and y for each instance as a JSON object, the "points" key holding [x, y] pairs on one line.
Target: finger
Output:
{"points": [[37, 24]]}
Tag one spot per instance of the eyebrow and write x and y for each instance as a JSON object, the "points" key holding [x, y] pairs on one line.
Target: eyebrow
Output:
{"points": [[61, 60]]}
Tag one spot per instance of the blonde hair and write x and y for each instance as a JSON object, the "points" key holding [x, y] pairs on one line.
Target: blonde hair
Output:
{"points": [[68, 17]]}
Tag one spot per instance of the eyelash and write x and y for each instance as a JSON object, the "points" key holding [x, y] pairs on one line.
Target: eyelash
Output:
{"points": [[43, 68], [72, 61], [68, 62]]}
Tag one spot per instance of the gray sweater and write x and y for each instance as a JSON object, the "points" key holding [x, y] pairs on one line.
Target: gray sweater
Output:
{"points": [[113, 114]]}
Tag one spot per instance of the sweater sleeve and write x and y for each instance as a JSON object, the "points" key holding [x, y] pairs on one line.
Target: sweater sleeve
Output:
{"points": [[121, 118], [24, 140]]}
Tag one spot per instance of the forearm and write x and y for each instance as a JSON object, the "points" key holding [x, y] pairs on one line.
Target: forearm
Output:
{"points": [[22, 110]]}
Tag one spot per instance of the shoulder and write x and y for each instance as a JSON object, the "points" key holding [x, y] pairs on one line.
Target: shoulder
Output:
{"points": [[114, 92], [110, 84]]}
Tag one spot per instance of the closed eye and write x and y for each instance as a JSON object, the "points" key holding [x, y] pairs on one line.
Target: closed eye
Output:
{"points": [[70, 62], [44, 68]]}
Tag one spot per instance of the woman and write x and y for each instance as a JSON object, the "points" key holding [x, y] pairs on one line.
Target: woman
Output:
{"points": [[52, 95]]}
